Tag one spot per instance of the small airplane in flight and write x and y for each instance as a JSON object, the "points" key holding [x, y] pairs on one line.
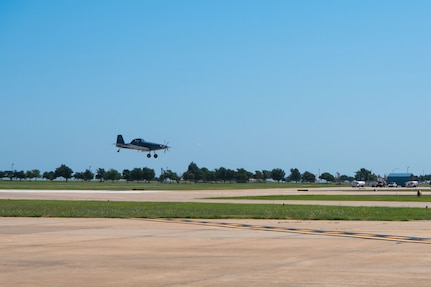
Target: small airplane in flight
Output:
{"points": [[140, 145]]}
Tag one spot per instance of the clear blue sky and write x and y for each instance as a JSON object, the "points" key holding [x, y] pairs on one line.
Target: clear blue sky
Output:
{"points": [[329, 86]]}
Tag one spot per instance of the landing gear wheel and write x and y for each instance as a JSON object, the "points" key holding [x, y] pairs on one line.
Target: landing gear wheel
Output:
{"points": [[148, 155], [155, 155]]}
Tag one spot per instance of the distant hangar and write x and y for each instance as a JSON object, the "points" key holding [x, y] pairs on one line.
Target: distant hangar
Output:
{"points": [[400, 178]]}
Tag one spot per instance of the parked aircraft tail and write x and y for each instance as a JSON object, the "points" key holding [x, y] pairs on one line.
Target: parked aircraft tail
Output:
{"points": [[120, 139]]}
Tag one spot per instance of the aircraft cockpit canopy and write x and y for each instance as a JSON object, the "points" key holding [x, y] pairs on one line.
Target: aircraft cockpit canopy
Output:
{"points": [[137, 141]]}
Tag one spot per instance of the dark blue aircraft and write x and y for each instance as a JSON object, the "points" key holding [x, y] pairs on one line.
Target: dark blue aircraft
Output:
{"points": [[140, 145]]}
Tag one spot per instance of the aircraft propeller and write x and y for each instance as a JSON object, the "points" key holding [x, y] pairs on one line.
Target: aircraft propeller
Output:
{"points": [[166, 147]]}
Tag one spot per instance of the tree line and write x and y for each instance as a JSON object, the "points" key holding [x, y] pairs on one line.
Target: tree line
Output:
{"points": [[192, 174]]}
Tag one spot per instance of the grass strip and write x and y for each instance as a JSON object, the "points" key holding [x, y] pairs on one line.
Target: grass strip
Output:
{"points": [[405, 197], [115, 209]]}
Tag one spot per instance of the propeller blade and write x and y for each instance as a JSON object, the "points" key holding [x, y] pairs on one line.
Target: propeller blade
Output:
{"points": [[166, 147]]}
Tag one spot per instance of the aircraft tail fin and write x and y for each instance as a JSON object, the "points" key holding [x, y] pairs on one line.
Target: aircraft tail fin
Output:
{"points": [[120, 139]]}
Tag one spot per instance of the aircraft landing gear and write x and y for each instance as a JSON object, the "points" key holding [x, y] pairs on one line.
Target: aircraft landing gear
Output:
{"points": [[118, 150], [149, 155]]}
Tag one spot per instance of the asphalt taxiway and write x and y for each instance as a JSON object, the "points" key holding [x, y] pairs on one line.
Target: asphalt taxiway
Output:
{"points": [[148, 252]]}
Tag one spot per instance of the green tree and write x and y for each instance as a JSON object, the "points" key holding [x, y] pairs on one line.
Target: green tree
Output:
{"points": [[126, 174], [112, 175], [295, 175], [136, 174], [207, 175], [327, 176], [308, 177], [20, 175], [50, 175], [220, 174], [242, 176], [258, 175], [79, 175], [230, 174], [100, 174], [277, 174], [148, 174], [266, 174], [365, 174], [63, 171], [188, 176], [169, 175], [193, 171], [35, 173], [29, 174], [10, 174], [88, 175]]}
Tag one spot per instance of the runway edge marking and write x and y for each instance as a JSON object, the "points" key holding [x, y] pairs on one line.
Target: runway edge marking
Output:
{"points": [[359, 235]]}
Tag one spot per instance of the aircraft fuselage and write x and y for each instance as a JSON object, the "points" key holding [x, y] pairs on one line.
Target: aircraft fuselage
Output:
{"points": [[140, 145]]}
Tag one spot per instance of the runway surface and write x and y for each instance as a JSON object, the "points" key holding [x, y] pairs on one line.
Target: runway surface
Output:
{"points": [[206, 195], [181, 252]]}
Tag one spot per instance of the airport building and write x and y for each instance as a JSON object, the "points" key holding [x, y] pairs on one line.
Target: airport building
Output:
{"points": [[400, 178]]}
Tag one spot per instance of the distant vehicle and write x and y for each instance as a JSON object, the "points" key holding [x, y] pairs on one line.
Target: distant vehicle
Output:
{"points": [[392, 184], [412, 183], [378, 184], [140, 145], [358, 183], [381, 184]]}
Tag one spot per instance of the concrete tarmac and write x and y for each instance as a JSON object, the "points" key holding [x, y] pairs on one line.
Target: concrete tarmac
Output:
{"points": [[141, 252], [208, 195]]}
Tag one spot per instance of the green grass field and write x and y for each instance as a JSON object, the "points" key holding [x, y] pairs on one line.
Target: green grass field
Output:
{"points": [[111, 209], [106, 209], [409, 196]]}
